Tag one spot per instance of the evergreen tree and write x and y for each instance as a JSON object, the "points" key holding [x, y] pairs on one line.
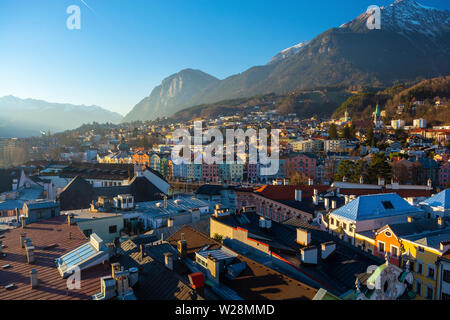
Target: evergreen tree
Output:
{"points": [[332, 132]]}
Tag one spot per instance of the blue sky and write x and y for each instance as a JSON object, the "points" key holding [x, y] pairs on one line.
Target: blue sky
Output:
{"points": [[126, 47]]}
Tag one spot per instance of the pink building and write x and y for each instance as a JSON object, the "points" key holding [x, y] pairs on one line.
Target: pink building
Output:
{"points": [[444, 174], [302, 163], [210, 172]]}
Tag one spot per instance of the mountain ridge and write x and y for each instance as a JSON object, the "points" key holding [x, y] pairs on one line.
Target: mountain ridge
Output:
{"points": [[39, 115], [413, 44]]}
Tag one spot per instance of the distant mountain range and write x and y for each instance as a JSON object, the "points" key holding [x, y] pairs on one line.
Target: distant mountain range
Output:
{"points": [[413, 44], [28, 117]]}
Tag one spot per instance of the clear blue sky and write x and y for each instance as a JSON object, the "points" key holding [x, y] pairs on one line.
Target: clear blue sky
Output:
{"points": [[126, 47]]}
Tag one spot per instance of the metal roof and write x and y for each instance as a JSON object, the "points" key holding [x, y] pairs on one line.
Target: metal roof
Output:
{"points": [[41, 204], [174, 206], [375, 206], [442, 199], [219, 254]]}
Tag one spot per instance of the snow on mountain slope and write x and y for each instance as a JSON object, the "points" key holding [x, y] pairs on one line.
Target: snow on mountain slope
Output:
{"points": [[289, 52]]}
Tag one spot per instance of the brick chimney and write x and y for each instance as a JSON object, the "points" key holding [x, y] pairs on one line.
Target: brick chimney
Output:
{"points": [[381, 181], [30, 253], [361, 179], [23, 236]]}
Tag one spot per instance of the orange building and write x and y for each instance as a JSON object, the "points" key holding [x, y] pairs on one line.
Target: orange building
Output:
{"points": [[387, 242], [141, 158]]}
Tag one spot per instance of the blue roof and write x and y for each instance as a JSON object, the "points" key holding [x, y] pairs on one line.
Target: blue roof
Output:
{"points": [[442, 199], [375, 206]]}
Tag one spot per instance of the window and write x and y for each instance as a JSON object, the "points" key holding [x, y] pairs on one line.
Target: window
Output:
{"points": [[394, 251], [445, 297], [430, 272], [331, 221], [430, 292], [344, 226], [112, 229], [419, 267], [421, 249], [418, 287], [447, 276], [381, 246]]}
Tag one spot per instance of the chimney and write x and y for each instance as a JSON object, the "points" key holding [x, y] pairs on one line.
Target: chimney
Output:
{"points": [[182, 248], [134, 276], [70, 219], [170, 222], [115, 267], [30, 253], [310, 182], [165, 201], [23, 236], [168, 260], [410, 219], [326, 203], [381, 181], [303, 237], [333, 204], [429, 183], [441, 222], [444, 246], [327, 248], [394, 184], [298, 195], [14, 184], [268, 224], [361, 179], [213, 268], [308, 255], [344, 179], [34, 279]]}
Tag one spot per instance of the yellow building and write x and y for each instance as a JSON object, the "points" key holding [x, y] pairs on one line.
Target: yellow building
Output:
{"points": [[424, 252]]}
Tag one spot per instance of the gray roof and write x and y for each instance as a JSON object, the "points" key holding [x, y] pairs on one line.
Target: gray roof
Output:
{"points": [[155, 282], [37, 204]]}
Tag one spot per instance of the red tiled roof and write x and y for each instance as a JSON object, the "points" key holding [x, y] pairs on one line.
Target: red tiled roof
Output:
{"points": [[288, 192], [52, 286]]}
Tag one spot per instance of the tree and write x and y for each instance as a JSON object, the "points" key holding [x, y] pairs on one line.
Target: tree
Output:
{"points": [[298, 179], [370, 139], [144, 143], [332, 132], [378, 167]]}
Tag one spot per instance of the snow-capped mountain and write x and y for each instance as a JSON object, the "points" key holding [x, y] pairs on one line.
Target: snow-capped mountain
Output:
{"points": [[413, 44], [408, 17], [289, 52], [36, 115]]}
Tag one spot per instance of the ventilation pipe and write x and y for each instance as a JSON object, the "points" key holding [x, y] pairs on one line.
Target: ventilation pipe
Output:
{"points": [[168, 260]]}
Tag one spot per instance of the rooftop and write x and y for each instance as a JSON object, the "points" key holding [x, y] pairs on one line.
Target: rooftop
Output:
{"points": [[375, 206], [256, 281], [441, 200], [51, 238]]}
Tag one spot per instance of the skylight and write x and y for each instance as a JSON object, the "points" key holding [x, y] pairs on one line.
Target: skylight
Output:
{"points": [[387, 205], [88, 255]]}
